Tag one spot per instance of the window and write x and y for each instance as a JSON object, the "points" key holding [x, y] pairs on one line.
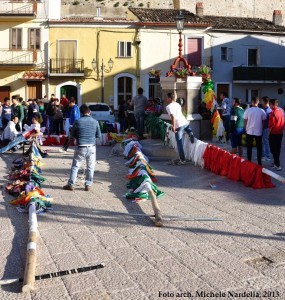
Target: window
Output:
{"points": [[154, 88], [194, 52], [125, 49], [253, 57], [226, 54], [34, 36], [252, 93], [16, 38], [124, 89]]}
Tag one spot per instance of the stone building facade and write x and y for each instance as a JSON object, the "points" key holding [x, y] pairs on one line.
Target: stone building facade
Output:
{"points": [[238, 8]]}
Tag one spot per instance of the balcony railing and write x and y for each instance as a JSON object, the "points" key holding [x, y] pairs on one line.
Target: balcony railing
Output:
{"points": [[66, 66], [258, 74], [18, 7], [18, 57]]}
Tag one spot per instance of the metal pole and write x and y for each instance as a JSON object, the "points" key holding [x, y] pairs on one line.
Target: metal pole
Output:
{"points": [[102, 83]]}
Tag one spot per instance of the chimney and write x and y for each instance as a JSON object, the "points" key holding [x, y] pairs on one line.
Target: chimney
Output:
{"points": [[98, 11], [277, 17], [199, 9], [176, 4]]}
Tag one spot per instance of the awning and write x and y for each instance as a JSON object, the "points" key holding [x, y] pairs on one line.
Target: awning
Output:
{"points": [[34, 75]]}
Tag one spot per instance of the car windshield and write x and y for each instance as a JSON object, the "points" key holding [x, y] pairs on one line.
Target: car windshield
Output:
{"points": [[98, 107]]}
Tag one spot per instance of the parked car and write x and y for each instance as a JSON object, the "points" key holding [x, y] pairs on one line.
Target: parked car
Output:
{"points": [[101, 112]]}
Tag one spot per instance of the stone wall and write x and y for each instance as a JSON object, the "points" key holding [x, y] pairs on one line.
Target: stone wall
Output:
{"points": [[239, 8]]}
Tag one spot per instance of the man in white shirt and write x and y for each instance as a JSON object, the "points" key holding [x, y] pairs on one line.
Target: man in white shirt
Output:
{"points": [[179, 125], [254, 119], [10, 132], [18, 138]]}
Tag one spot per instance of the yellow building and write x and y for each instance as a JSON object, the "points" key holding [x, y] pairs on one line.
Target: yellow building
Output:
{"points": [[23, 53], [111, 45]]}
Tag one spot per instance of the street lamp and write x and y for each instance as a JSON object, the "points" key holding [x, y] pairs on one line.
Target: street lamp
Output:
{"points": [[103, 70], [180, 60], [180, 20]]}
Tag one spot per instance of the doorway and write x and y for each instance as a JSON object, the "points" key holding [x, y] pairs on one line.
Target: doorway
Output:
{"points": [[34, 90], [222, 87], [69, 91]]}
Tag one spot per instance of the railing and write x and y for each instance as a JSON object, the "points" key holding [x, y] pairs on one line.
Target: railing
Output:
{"points": [[18, 57], [20, 7], [258, 74], [63, 66]]}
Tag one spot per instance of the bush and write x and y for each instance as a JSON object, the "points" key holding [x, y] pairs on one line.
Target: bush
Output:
{"points": [[126, 4], [75, 2], [141, 5], [116, 4]]}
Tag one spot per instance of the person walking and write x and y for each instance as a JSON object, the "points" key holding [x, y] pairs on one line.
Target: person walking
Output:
{"points": [[73, 116], [139, 102], [237, 127], [254, 119], [275, 131], [18, 111], [32, 109], [225, 107], [85, 130], [58, 117], [6, 112], [179, 125], [265, 141], [50, 114]]}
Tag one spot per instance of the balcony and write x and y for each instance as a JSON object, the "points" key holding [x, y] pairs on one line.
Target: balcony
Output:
{"points": [[258, 74], [66, 67], [18, 8], [21, 57]]}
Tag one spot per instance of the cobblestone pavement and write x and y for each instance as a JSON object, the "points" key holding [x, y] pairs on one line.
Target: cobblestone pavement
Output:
{"points": [[241, 257]]}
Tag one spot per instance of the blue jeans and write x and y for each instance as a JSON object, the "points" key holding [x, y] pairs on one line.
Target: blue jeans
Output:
{"points": [[139, 116], [265, 144], [82, 154], [179, 140]]}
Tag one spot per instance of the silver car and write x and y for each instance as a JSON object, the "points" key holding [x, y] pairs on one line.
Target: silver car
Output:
{"points": [[101, 112]]}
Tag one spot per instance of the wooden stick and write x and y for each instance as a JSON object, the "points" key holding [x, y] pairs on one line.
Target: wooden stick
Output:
{"points": [[30, 269], [156, 209], [273, 175], [55, 274]]}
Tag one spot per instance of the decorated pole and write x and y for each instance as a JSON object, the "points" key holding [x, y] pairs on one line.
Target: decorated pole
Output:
{"points": [[156, 209], [30, 268], [273, 175]]}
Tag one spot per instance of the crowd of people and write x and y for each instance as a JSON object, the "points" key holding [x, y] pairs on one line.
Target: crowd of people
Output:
{"points": [[262, 123], [50, 115], [132, 112]]}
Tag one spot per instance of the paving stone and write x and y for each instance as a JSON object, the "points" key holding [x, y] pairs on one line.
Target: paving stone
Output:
{"points": [[114, 278], [173, 269], [140, 259], [134, 294], [130, 260]]}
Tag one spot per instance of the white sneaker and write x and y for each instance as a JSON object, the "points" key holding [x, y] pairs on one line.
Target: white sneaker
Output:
{"points": [[275, 168], [61, 150], [265, 159]]}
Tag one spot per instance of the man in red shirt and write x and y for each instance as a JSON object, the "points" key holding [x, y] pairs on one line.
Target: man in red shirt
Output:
{"points": [[275, 131]]}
